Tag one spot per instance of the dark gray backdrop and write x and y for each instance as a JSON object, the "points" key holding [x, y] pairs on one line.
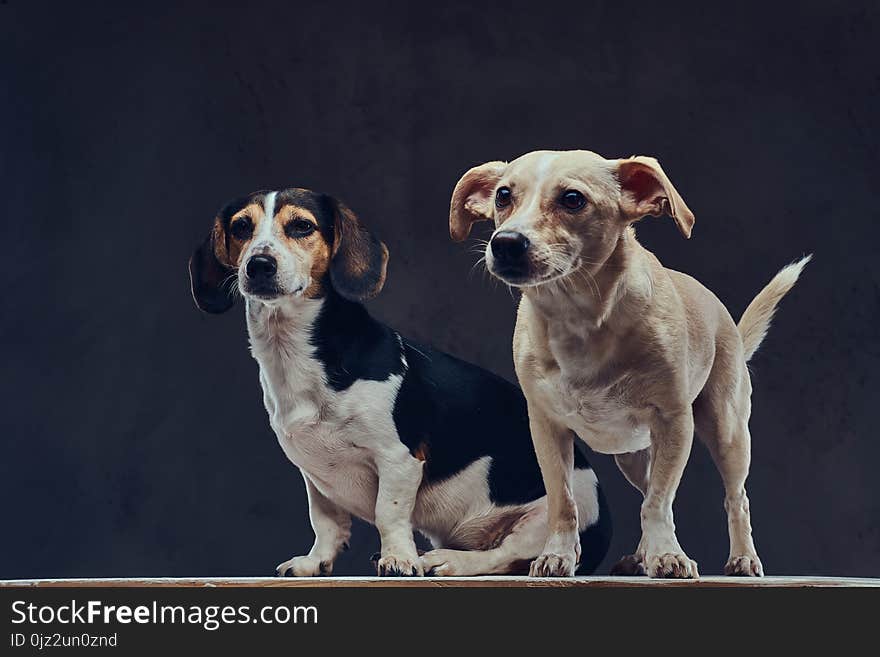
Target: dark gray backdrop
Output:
{"points": [[134, 441]]}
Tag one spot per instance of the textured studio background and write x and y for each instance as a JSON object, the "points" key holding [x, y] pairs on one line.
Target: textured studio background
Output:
{"points": [[134, 441]]}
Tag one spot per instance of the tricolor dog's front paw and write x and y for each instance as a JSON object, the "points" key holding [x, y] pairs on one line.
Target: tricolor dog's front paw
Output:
{"points": [[391, 565], [455, 563], [304, 567], [674, 565]]}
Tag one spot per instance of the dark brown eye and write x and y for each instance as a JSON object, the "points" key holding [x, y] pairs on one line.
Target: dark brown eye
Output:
{"points": [[572, 200], [299, 227], [503, 197], [242, 228]]}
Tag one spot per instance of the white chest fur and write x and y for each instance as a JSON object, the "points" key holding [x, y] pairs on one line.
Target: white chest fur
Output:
{"points": [[328, 434]]}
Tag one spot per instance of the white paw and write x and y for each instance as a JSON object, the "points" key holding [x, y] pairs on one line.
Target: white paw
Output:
{"points": [[674, 565], [304, 567], [394, 566], [560, 558], [447, 563], [748, 565], [550, 564]]}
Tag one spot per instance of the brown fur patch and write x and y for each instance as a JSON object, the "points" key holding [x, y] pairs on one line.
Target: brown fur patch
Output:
{"points": [[315, 245], [356, 263], [236, 246], [218, 242], [289, 211], [359, 260], [320, 265], [518, 567], [479, 535], [421, 451]]}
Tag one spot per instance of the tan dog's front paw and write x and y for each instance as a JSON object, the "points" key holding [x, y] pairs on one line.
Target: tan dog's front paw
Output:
{"points": [[748, 565], [393, 566], [553, 565], [304, 567], [675, 565]]}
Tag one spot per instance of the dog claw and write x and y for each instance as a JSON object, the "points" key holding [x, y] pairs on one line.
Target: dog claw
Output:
{"points": [[744, 566], [392, 566], [304, 566], [553, 565], [671, 565]]}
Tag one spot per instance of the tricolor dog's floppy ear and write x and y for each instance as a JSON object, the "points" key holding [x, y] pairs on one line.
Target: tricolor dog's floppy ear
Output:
{"points": [[647, 190], [211, 280], [358, 260], [472, 198]]}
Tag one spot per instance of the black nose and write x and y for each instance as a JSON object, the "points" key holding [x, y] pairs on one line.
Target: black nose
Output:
{"points": [[509, 247], [261, 267]]}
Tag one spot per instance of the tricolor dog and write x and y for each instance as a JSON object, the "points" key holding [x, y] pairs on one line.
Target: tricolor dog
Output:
{"points": [[609, 344], [381, 428]]}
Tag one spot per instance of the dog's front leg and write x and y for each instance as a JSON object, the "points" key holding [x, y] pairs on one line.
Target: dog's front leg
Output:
{"points": [[332, 527], [400, 476], [554, 446], [671, 439]]}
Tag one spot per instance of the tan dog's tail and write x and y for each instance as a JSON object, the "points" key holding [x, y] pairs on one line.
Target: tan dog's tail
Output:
{"points": [[756, 319]]}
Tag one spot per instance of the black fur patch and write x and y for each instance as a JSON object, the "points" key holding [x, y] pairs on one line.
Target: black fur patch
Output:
{"points": [[462, 412], [351, 345], [453, 411], [209, 279]]}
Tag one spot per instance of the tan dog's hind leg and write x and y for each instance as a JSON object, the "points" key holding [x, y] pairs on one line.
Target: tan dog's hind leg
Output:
{"points": [[636, 467], [732, 458], [671, 440], [724, 429], [554, 446]]}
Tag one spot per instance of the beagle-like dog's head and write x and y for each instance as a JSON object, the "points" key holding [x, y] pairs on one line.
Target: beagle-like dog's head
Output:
{"points": [[286, 244], [555, 211]]}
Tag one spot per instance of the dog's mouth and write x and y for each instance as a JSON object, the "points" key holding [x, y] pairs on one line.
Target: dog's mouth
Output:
{"points": [[269, 291], [527, 275], [519, 275]]}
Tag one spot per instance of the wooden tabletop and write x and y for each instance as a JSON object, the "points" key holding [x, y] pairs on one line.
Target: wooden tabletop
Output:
{"points": [[445, 582]]}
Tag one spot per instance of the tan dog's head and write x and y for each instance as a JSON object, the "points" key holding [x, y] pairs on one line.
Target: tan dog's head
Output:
{"points": [[555, 211], [291, 243]]}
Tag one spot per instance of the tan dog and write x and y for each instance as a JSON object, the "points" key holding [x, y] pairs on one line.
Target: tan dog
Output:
{"points": [[613, 346]]}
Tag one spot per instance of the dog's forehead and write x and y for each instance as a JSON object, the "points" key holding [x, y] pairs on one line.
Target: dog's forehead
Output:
{"points": [[540, 168], [316, 203], [307, 199], [236, 205]]}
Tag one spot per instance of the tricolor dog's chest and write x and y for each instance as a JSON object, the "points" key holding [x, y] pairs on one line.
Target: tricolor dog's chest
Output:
{"points": [[331, 456], [331, 441], [326, 433]]}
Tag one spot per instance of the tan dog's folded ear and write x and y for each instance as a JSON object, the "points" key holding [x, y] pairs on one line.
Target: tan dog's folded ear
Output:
{"points": [[358, 260], [472, 198], [648, 191], [212, 282]]}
